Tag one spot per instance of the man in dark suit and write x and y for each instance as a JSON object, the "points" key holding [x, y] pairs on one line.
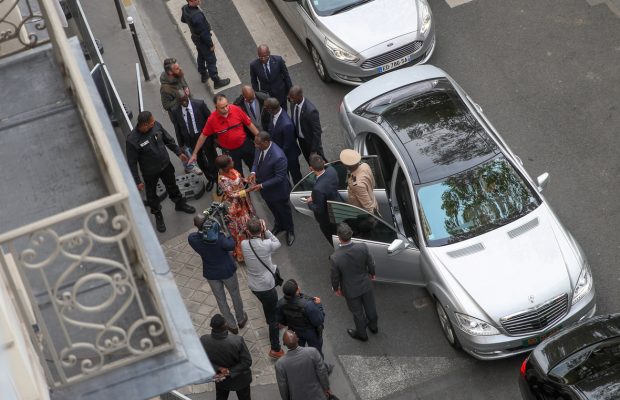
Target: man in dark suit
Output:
{"points": [[252, 103], [269, 74], [351, 272], [307, 124], [325, 188], [282, 133], [269, 172], [230, 358], [188, 119]]}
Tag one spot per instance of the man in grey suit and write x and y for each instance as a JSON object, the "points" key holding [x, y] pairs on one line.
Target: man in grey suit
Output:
{"points": [[301, 373], [352, 271]]}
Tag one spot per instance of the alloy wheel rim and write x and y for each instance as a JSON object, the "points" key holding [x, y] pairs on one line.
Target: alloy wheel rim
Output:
{"points": [[318, 63], [445, 323]]}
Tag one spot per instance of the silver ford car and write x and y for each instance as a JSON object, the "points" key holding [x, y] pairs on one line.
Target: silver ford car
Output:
{"points": [[352, 41], [459, 215]]}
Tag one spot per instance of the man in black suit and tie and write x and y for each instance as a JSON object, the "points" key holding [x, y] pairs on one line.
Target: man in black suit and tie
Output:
{"points": [[282, 133], [188, 119], [269, 172], [269, 74], [252, 103], [307, 124], [352, 271], [325, 188]]}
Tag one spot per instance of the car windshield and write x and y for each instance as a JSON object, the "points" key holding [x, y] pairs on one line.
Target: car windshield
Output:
{"points": [[473, 202], [331, 7]]}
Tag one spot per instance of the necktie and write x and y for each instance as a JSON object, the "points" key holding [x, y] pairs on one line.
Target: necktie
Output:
{"points": [[251, 105], [267, 72], [260, 159], [190, 123]]}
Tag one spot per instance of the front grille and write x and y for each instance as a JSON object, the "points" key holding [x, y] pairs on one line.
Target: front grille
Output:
{"points": [[392, 55], [537, 318]]}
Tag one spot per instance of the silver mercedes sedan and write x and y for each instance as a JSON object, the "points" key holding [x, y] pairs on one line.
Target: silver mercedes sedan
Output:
{"points": [[459, 215], [352, 41]]}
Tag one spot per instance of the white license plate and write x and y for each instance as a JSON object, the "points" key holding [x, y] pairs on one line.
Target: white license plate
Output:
{"points": [[394, 64]]}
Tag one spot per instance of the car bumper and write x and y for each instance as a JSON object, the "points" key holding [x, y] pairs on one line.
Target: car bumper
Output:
{"points": [[353, 74], [502, 346]]}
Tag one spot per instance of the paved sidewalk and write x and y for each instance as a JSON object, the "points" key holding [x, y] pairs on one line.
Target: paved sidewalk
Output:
{"points": [[187, 268]]}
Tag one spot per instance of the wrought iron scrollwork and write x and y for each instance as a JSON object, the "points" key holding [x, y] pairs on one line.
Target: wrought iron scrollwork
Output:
{"points": [[16, 16]]}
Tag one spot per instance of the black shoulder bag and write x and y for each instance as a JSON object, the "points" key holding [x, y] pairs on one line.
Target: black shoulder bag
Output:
{"points": [[276, 275]]}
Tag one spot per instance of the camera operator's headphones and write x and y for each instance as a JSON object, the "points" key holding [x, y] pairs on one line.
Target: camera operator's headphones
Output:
{"points": [[210, 230]]}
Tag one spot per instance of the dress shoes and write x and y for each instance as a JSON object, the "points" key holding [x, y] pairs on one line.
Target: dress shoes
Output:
{"points": [[353, 333], [220, 83], [276, 354], [244, 321], [159, 222], [203, 77], [210, 184], [375, 330], [290, 238], [276, 229], [186, 208]]}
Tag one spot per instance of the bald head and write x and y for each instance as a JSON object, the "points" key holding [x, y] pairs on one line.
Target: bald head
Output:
{"points": [[290, 340], [263, 53], [248, 93], [296, 94]]}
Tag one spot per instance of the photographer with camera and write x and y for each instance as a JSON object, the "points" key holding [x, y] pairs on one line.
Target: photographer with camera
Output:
{"points": [[262, 275], [218, 266]]}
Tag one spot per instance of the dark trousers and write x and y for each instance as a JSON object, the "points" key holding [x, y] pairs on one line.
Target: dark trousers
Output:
{"points": [[282, 214], [269, 300], [309, 337], [169, 181], [327, 228], [244, 153], [206, 58], [306, 150], [364, 312], [242, 394], [294, 169]]}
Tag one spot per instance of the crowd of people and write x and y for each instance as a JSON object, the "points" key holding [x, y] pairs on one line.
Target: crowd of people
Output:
{"points": [[256, 130]]}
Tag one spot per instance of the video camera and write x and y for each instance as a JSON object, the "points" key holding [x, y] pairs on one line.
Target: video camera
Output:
{"points": [[214, 221]]}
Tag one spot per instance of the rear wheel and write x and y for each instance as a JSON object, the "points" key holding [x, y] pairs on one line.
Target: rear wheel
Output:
{"points": [[319, 65], [446, 326]]}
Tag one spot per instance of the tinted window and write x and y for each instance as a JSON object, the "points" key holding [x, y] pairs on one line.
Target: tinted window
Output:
{"points": [[588, 362], [364, 225], [405, 206], [473, 202]]}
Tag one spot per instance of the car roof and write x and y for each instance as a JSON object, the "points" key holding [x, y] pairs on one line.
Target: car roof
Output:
{"points": [[575, 338]]}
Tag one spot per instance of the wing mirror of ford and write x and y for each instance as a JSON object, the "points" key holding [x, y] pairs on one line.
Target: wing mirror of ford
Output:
{"points": [[542, 181], [396, 247]]}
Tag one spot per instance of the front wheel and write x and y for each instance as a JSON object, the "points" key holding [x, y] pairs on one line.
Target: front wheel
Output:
{"points": [[319, 65], [446, 326]]}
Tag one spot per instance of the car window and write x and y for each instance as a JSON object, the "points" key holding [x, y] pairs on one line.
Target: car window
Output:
{"points": [[328, 7], [589, 362], [405, 206], [473, 202], [364, 225]]}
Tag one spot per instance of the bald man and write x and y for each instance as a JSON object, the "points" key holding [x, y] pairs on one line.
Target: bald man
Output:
{"points": [[301, 373], [269, 74], [252, 103]]}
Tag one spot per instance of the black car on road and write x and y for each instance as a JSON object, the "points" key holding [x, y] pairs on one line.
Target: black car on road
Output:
{"points": [[580, 362]]}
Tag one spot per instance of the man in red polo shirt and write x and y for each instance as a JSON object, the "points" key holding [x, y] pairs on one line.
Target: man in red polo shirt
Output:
{"points": [[227, 124]]}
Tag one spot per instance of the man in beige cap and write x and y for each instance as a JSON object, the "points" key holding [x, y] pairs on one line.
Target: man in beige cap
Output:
{"points": [[360, 182]]}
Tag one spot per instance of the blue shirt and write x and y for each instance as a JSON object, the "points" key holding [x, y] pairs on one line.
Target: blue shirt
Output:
{"points": [[217, 262]]}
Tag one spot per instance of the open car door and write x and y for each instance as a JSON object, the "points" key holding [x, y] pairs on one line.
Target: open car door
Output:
{"points": [[304, 187], [396, 258]]}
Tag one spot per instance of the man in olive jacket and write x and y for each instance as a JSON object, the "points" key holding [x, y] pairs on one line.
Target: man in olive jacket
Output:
{"points": [[172, 80], [230, 358]]}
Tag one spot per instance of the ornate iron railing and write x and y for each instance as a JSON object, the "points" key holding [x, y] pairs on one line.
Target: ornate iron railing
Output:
{"points": [[21, 22], [84, 271]]}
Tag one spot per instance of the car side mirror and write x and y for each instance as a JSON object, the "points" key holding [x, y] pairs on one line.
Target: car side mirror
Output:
{"points": [[542, 181], [396, 247]]}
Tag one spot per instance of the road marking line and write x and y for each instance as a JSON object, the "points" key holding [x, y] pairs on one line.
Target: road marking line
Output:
{"points": [[265, 29], [456, 3], [224, 67]]}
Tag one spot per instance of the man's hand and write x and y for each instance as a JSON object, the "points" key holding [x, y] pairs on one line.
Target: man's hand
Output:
{"points": [[317, 300], [140, 186], [252, 178], [186, 90], [183, 158], [213, 48], [255, 188], [338, 293], [192, 159], [309, 199], [372, 277]]}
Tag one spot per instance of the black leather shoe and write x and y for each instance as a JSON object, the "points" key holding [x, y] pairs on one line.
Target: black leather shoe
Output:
{"points": [[210, 184], [375, 330], [243, 322], [159, 222], [234, 331], [276, 229], [220, 83], [353, 333], [204, 77], [290, 238], [186, 208]]}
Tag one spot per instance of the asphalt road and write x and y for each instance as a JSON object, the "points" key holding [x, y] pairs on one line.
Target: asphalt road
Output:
{"points": [[547, 75]]}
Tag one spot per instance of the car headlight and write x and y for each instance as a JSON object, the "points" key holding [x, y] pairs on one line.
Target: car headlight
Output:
{"points": [[584, 284], [339, 52], [425, 25], [474, 326]]}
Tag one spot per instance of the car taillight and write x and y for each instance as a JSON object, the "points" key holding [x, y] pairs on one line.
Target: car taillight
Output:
{"points": [[524, 366]]}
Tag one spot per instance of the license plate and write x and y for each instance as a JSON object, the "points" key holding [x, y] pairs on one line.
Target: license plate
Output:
{"points": [[537, 339], [394, 64]]}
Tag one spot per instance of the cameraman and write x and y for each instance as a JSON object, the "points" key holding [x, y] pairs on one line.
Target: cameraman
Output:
{"points": [[219, 268], [257, 252]]}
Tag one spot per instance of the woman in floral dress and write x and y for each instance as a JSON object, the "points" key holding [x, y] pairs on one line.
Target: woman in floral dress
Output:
{"points": [[240, 209]]}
